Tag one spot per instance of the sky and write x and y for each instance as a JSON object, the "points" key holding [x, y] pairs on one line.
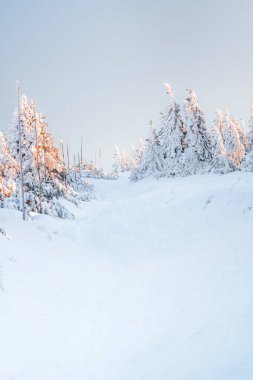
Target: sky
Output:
{"points": [[96, 68]]}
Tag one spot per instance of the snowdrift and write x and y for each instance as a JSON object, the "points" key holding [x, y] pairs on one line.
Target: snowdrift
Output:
{"points": [[153, 280]]}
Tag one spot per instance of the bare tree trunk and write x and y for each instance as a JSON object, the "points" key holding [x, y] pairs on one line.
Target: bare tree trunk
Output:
{"points": [[62, 149], [37, 158], [44, 158], [75, 166], [81, 150], [20, 155], [64, 164], [68, 156], [100, 158], [79, 165]]}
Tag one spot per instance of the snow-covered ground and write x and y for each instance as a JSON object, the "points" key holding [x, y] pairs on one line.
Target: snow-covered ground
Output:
{"points": [[152, 281]]}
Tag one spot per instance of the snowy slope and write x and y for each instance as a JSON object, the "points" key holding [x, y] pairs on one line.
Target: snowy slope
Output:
{"points": [[152, 281]]}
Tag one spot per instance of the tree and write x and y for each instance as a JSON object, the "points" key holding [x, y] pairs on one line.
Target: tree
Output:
{"points": [[250, 128], [9, 169], [125, 161], [172, 138], [152, 159], [43, 169], [21, 142], [247, 163], [122, 161], [221, 163], [198, 151], [235, 141], [137, 153], [241, 132]]}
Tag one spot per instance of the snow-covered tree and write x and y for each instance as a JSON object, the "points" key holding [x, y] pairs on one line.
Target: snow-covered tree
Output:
{"points": [[43, 169], [182, 146], [125, 161], [250, 128], [27, 152], [88, 169], [241, 132], [247, 163], [152, 158], [49, 155], [198, 151], [221, 163], [137, 153], [122, 160], [9, 169], [172, 138], [234, 138]]}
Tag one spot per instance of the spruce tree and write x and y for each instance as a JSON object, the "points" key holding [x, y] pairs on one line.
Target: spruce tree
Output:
{"points": [[250, 128], [152, 159], [41, 161], [198, 151], [122, 161], [247, 163], [234, 138], [9, 169], [172, 138], [137, 154], [26, 144], [221, 163]]}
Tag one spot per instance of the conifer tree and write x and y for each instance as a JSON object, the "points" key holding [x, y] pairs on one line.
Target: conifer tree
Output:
{"points": [[172, 138], [247, 163], [152, 159], [198, 151], [137, 153], [221, 163], [241, 132], [42, 163], [235, 141], [125, 161], [21, 147], [9, 169], [250, 128], [122, 161]]}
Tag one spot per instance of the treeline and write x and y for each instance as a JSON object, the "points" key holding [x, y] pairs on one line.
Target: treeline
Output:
{"points": [[35, 173], [184, 144]]}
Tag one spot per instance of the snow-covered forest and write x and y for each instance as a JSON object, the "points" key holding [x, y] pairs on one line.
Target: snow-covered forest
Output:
{"points": [[184, 144], [144, 272], [126, 190], [36, 173]]}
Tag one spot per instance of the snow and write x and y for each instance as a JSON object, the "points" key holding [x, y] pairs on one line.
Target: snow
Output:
{"points": [[153, 280]]}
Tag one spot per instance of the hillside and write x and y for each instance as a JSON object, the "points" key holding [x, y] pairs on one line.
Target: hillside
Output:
{"points": [[153, 280]]}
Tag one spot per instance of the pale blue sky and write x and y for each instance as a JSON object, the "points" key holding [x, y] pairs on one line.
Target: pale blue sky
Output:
{"points": [[96, 68]]}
